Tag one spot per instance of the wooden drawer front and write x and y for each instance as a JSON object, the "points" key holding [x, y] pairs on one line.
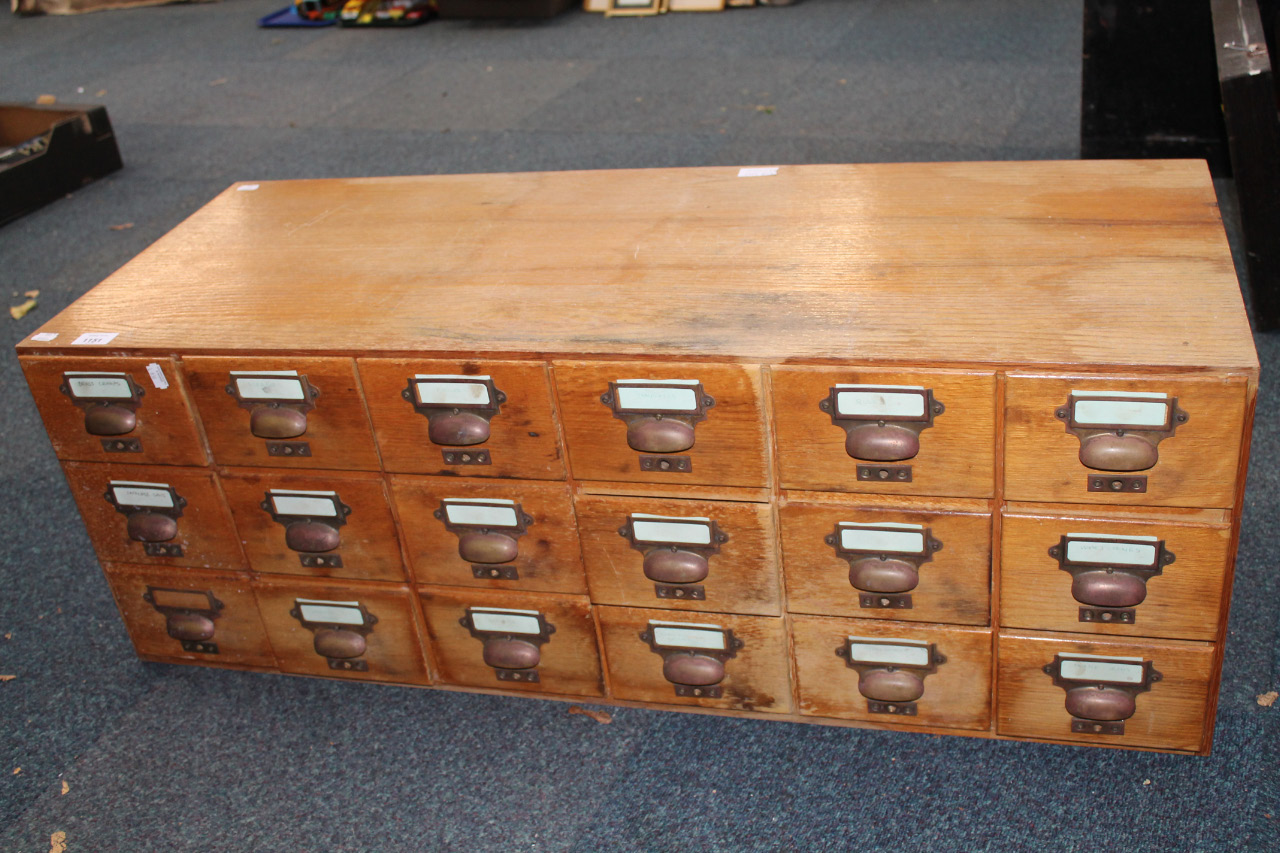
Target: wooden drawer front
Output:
{"points": [[335, 427], [508, 640], [209, 617], [941, 442], [349, 629], [1193, 464], [539, 553], [1170, 714], [1099, 580], [694, 555], [429, 419], [728, 444], [893, 672], [155, 514], [114, 410], [753, 676], [333, 524], [827, 547]]}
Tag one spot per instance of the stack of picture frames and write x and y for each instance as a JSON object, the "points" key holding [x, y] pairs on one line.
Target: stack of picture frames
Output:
{"points": [[636, 8]]}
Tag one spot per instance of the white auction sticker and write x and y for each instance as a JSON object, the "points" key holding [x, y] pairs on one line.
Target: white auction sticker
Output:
{"points": [[156, 372], [44, 336], [94, 339]]}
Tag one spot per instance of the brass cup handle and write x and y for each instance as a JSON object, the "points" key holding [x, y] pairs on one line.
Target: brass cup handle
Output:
{"points": [[144, 526], [1108, 588], [339, 644], [311, 537], [487, 547], [659, 434], [890, 685], [672, 565], [192, 627], [1109, 451], [1096, 702], [511, 653], [692, 669], [882, 442], [872, 574], [108, 419], [271, 420], [457, 429]]}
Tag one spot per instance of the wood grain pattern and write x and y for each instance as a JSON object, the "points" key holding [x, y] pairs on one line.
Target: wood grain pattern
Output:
{"points": [[743, 575], [569, 662], [758, 679], [522, 439], [954, 586], [729, 446], [957, 695], [165, 426], [338, 428], [1182, 602], [238, 631], [1169, 716], [205, 534], [369, 548], [1127, 261], [956, 453], [1197, 464], [394, 652], [548, 556]]}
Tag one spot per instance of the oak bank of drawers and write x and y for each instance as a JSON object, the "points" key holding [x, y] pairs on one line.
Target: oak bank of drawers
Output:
{"points": [[724, 470]]}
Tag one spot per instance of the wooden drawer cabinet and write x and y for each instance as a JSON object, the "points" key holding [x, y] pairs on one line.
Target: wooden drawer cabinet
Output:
{"points": [[952, 448]]}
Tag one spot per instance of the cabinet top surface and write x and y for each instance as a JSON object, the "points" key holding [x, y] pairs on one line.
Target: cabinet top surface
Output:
{"points": [[1121, 263]]}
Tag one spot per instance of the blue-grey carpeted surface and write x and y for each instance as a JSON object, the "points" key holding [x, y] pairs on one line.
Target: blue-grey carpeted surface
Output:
{"points": [[163, 758]]}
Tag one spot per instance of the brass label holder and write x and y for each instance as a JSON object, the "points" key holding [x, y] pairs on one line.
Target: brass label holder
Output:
{"points": [[1109, 574], [1101, 692], [340, 628], [110, 404], [891, 672], [488, 531], [882, 423], [458, 410], [660, 415], [278, 403], [310, 520], [152, 510], [676, 552], [693, 655], [1120, 432], [884, 560], [189, 616], [512, 639]]}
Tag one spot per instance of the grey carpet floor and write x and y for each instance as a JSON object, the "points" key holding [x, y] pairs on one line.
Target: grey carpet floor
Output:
{"points": [[160, 758]]}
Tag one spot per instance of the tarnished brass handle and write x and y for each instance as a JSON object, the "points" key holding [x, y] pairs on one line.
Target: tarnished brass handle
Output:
{"points": [[872, 574], [882, 442], [192, 627], [1108, 588], [458, 429], [672, 565], [1111, 452], [339, 644], [659, 435], [107, 419], [890, 685], [311, 537], [692, 669], [511, 653], [151, 527], [487, 547], [274, 421], [1100, 703]]}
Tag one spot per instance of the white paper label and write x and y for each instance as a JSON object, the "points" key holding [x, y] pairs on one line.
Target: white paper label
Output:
{"points": [[268, 385], [451, 393], [855, 537], [500, 621], [1090, 668], [688, 635], [671, 398], [659, 528], [1133, 552], [94, 339], [331, 612], [98, 387], [1120, 412], [909, 653], [128, 493], [156, 372], [44, 337], [291, 502], [480, 515], [246, 188], [884, 404], [757, 171]]}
